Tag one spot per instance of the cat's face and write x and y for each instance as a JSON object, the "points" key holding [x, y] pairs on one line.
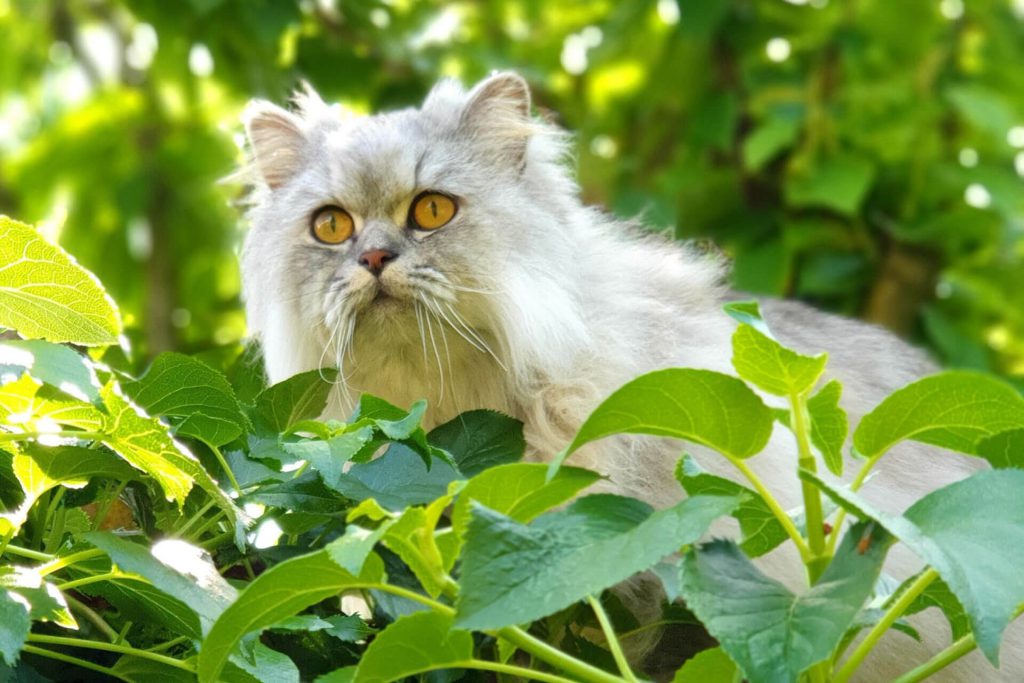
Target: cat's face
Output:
{"points": [[371, 231]]}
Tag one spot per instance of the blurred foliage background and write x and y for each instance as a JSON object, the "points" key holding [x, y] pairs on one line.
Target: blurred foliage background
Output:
{"points": [[864, 155]]}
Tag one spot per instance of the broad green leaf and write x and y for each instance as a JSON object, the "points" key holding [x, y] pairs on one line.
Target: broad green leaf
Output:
{"points": [[762, 532], [771, 633], [1005, 449], [30, 406], [479, 439], [392, 424], [972, 533], [767, 140], [513, 573], [143, 602], [411, 537], [709, 666], [56, 365], [15, 623], [839, 183], [937, 594], [178, 569], [140, 670], [328, 456], [829, 425], [306, 493], [345, 674], [355, 545], [397, 479], [425, 641], [770, 366], [954, 409], [43, 599], [45, 294], [263, 664], [199, 399], [702, 406], [301, 397], [520, 490], [280, 592]]}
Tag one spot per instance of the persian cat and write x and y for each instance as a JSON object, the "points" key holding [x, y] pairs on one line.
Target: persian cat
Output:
{"points": [[443, 253]]}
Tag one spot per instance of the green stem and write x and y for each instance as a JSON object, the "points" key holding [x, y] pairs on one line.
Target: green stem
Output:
{"points": [[815, 521], [510, 670], [5, 541], [95, 578], [27, 553], [224, 464], [541, 650], [84, 663], [613, 642], [195, 518], [939, 661], [97, 621], [202, 528], [858, 481], [773, 505], [169, 644], [891, 615], [67, 561], [25, 436], [110, 647]]}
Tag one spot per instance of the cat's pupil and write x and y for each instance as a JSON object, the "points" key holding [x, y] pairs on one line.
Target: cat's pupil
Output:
{"points": [[433, 207], [334, 224]]}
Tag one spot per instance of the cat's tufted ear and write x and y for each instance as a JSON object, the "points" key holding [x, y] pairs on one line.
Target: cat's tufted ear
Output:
{"points": [[277, 141], [498, 113]]}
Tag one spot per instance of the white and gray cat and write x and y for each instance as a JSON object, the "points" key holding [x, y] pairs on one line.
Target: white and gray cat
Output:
{"points": [[443, 253]]}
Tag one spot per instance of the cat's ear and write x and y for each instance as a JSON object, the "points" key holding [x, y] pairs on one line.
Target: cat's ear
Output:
{"points": [[277, 141], [498, 113]]}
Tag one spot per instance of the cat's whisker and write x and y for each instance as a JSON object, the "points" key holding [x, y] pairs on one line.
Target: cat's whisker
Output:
{"points": [[469, 340], [472, 332], [448, 359], [419, 324], [464, 330], [437, 354]]}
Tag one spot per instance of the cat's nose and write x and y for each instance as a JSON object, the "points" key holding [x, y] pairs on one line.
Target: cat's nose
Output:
{"points": [[375, 259]]}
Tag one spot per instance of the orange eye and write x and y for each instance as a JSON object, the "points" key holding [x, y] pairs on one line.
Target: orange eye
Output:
{"points": [[332, 225], [432, 210]]}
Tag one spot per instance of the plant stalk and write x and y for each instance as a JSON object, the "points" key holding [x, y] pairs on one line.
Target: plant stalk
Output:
{"points": [[68, 659], [110, 647], [773, 505], [815, 521], [612, 640], [939, 661]]}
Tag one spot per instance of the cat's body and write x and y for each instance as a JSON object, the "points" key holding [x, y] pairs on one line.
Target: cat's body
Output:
{"points": [[526, 301]]}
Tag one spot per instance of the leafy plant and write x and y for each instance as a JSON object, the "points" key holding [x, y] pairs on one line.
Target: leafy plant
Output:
{"points": [[138, 510]]}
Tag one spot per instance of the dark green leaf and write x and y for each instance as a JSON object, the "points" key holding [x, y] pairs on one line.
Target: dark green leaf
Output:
{"points": [[479, 439], [301, 397], [416, 643]]}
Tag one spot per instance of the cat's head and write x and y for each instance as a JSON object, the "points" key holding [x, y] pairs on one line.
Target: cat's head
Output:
{"points": [[365, 230]]}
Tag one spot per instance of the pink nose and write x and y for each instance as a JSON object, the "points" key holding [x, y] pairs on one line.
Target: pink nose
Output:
{"points": [[375, 260]]}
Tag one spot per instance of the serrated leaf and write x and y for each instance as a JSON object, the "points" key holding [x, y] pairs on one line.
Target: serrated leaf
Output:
{"points": [[702, 406], [45, 294], [306, 493], [709, 666], [280, 592], [762, 532], [53, 364], [425, 641], [479, 439], [397, 479], [770, 366], [955, 409], [328, 456], [175, 568], [264, 664], [520, 490], [513, 573], [829, 425], [392, 424], [199, 399], [779, 634], [1005, 449], [972, 533], [300, 397]]}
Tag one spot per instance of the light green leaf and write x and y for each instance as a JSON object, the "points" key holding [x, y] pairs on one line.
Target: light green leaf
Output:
{"points": [[954, 409], [479, 439], [140, 670], [45, 294], [770, 366], [702, 406], [709, 666], [839, 183], [34, 407], [829, 425], [1005, 449], [972, 533], [772, 634], [197, 397], [56, 365], [345, 674], [767, 140], [513, 573], [301, 397], [15, 623], [762, 532], [280, 592], [263, 665], [425, 641]]}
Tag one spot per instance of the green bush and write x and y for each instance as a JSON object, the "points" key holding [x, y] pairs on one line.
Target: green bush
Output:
{"points": [[136, 510]]}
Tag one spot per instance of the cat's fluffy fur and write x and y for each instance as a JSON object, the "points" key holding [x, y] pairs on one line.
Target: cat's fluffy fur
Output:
{"points": [[527, 302]]}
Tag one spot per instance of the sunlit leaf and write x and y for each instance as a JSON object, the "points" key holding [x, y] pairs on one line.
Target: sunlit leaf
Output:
{"points": [[416, 643]]}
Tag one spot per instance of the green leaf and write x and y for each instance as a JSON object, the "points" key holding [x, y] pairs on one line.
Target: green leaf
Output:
{"points": [[15, 623], [829, 425], [954, 409], [937, 594], [839, 183], [45, 294], [263, 665], [772, 634], [393, 424], [345, 674], [766, 363], [197, 397], [56, 365], [328, 457], [513, 573], [1005, 449], [709, 666], [425, 641], [397, 479], [767, 140], [306, 493], [762, 532], [972, 533], [479, 439], [301, 397], [702, 406], [174, 567], [44, 406], [140, 670], [42, 599], [519, 490], [280, 592]]}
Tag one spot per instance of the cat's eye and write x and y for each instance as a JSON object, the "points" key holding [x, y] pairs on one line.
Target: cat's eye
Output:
{"points": [[432, 210], [332, 225]]}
